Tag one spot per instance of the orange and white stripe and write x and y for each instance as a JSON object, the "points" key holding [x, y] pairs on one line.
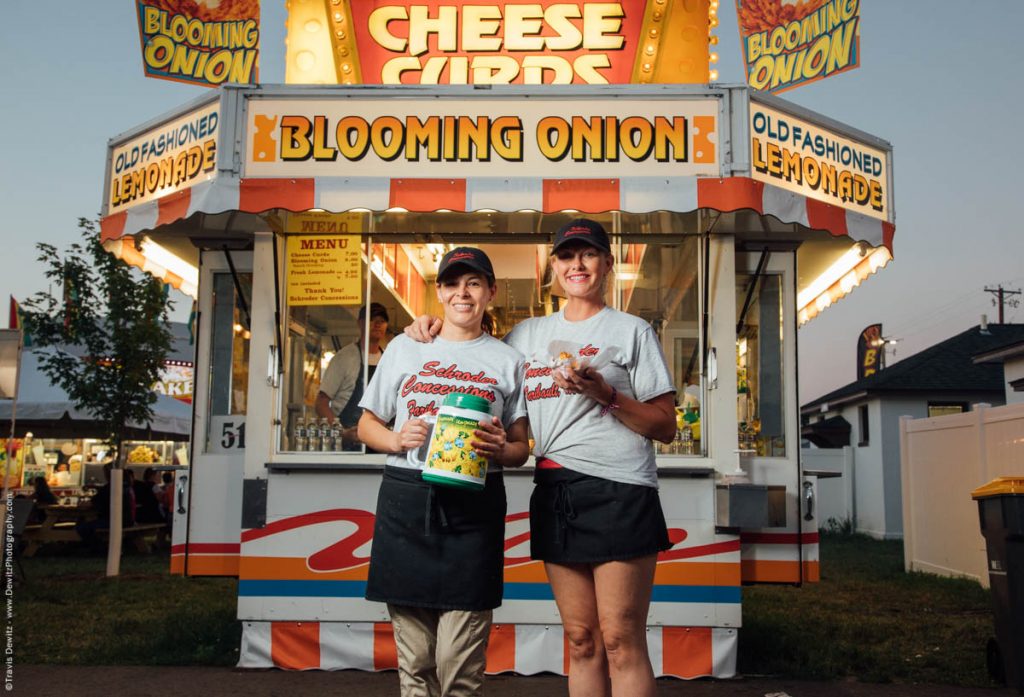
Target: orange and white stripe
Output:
{"points": [[632, 194], [526, 649]]}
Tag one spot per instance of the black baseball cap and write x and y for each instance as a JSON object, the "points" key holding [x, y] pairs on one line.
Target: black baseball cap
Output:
{"points": [[376, 310], [582, 230], [470, 257]]}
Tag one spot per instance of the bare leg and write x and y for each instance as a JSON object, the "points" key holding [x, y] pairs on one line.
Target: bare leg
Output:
{"points": [[574, 589], [623, 592]]}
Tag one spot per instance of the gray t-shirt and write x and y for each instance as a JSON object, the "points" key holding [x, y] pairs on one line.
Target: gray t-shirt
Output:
{"points": [[569, 429], [412, 380]]}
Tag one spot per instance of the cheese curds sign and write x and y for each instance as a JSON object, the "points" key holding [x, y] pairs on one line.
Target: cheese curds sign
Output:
{"points": [[788, 43], [495, 42], [204, 42]]}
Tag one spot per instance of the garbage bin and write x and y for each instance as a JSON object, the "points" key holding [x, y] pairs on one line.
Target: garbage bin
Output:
{"points": [[1001, 511]]}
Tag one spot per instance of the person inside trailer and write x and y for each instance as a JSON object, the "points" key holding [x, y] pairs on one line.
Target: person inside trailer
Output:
{"points": [[342, 384], [438, 553]]}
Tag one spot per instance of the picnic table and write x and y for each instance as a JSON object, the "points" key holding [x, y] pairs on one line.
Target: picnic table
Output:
{"points": [[58, 526]]}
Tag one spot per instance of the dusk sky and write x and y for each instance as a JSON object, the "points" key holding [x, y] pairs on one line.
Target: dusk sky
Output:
{"points": [[938, 79]]}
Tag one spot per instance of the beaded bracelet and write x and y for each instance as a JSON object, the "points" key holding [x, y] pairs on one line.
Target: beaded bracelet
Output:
{"points": [[612, 403]]}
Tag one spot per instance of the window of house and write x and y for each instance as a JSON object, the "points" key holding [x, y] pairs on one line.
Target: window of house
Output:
{"points": [[945, 408], [864, 436]]}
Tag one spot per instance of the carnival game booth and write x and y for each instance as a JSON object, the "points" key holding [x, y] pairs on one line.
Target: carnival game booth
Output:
{"points": [[735, 217]]}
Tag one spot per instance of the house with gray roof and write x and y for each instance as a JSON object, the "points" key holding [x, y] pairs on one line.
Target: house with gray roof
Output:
{"points": [[950, 377]]}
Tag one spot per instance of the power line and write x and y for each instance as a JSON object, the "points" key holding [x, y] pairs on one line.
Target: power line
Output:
{"points": [[1005, 297]]}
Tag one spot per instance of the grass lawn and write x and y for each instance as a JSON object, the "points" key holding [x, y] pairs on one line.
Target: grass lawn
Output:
{"points": [[866, 619], [68, 611]]}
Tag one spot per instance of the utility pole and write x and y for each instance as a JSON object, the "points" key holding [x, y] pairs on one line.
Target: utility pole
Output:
{"points": [[1004, 299]]}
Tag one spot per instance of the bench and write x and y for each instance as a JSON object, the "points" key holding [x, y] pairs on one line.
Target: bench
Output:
{"points": [[59, 526], [138, 533]]}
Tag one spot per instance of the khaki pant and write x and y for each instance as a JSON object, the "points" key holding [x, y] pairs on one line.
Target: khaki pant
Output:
{"points": [[441, 653]]}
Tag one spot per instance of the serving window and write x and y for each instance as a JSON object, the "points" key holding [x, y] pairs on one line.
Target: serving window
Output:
{"points": [[760, 410], [656, 277]]}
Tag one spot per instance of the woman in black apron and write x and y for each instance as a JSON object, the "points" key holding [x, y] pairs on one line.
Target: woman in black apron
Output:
{"points": [[438, 552]]}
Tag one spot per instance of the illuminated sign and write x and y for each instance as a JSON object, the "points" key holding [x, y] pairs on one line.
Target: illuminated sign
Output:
{"points": [[323, 268], [787, 44], [205, 42], [812, 161], [869, 350], [176, 379], [168, 158], [511, 42], [583, 138]]}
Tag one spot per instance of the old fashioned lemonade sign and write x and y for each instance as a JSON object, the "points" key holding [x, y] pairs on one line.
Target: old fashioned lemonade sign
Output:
{"points": [[815, 162], [323, 268], [171, 157]]}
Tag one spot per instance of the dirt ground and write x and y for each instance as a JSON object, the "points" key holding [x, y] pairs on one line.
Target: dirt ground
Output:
{"points": [[146, 681]]}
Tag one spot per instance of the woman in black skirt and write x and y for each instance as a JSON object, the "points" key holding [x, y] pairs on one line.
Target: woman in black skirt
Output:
{"points": [[598, 392]]}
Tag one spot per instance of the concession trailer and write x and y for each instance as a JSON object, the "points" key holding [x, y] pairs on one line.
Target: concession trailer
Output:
{"points": [[735, 217]]}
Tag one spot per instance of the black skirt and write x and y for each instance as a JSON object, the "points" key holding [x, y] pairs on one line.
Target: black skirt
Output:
{"points": [[437, 547], [579, 519]]}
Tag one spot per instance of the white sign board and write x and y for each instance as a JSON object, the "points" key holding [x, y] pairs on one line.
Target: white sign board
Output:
{"points": [[536, 137], [166, 159], [812, 161]]}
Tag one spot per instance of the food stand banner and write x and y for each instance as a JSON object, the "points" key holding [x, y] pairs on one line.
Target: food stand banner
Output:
{"points": [[869, 351], [577, 138], [788, 43], [324, 266], [631, 148], [167, 159], [813, 161], [176, 380], [203, 42], [433, 42]]}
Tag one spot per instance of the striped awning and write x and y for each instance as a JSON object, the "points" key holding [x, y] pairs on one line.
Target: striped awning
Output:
{"points": [[634, 195]]}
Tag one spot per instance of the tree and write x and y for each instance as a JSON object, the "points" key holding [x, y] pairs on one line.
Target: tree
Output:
{"points": [[103, 341]]}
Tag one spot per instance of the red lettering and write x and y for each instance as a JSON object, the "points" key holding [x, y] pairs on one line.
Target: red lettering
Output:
{"points": [[552, 392], [537, 372], [452, 372], [416, 410], [589, 350], [413, 386]]}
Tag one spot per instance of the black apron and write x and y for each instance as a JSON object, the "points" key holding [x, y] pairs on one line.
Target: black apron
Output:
{"points": [[437, 547], [349, 416]]}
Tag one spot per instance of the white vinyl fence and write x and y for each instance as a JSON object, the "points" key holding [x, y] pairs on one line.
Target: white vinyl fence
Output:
{"points": [[943, 460]]}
